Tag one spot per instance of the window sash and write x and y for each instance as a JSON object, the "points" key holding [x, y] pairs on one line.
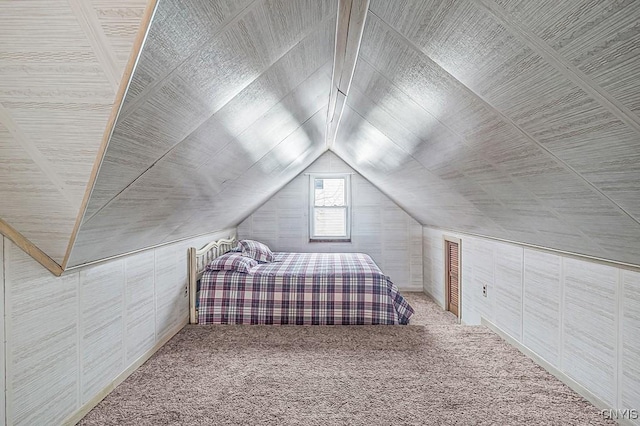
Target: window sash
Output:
{"points": [[346, 207]]}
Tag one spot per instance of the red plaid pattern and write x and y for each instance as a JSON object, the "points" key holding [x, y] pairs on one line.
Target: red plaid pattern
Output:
{"points": [[303, 288], [232, 261]]}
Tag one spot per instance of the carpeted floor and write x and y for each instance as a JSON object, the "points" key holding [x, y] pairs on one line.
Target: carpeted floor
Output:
{"points": [[432, 373]]}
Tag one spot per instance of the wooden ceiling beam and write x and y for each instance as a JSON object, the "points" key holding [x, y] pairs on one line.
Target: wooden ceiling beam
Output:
{"points": [[30, 248], [352, 15]]}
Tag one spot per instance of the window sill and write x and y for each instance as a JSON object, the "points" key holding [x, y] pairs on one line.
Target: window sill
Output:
{"points": [[329, 240]]}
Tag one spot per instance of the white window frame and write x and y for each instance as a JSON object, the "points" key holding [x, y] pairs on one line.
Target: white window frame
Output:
{"points": [[347, 207]]}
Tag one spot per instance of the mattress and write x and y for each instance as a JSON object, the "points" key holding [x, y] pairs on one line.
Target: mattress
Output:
{"points": [[303, 289]]}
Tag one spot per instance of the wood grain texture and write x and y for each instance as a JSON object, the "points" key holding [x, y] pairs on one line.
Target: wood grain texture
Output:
{"points": [[58, 75], [133, 57], [433, 264], [379, 227], [3, 378], [102, 326], [171, 296], [201, 85], [579, 316], [139, 305], [91, 325], [494, 155], [541, 313], [352, 15], [29, 248], [629, 377], [509, 289], [42, 370], [183, 180], [589, 332]]}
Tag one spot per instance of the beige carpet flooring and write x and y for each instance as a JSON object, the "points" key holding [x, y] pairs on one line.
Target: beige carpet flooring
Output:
{"points": [[434, 372]]}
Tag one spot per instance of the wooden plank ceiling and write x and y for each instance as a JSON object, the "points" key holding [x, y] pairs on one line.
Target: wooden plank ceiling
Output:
{"points": [[512, 119], [61, 63]]}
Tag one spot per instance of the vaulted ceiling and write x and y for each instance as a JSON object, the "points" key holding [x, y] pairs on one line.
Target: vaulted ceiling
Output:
{"points": [[511, 119]]}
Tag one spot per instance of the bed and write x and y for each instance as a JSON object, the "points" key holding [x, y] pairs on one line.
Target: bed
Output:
{"points": [[290, 288]]}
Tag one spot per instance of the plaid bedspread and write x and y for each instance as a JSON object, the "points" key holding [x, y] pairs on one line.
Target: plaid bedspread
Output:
{"points": [[303, 288]]}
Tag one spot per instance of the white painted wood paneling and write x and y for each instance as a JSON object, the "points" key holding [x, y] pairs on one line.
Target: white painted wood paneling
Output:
{"points": [[69, 337], [629, 377], [62, 63], [589, 326], [140, 305], [172, 299], [469, 314], [43, 371], [483, 258], [102, 326], [541, 315], [573, 310], [379, 227], [508, 289], [3, 397], [433, 258]]}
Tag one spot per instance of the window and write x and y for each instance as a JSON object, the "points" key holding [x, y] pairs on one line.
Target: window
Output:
{"points": [[329, 213]]}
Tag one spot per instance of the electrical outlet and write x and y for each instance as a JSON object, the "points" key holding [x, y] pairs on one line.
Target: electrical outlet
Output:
{"points": [[484, 290]]}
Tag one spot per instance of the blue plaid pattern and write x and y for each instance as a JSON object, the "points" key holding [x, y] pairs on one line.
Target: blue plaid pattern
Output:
{"points": [[305, 289], [256, 250], [232, 261]]}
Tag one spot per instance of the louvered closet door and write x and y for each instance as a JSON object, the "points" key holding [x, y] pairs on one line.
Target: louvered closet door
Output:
{"points": [[453, 283]]}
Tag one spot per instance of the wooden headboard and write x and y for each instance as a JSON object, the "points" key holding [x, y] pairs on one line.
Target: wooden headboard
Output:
{"points": [[198, 261]]}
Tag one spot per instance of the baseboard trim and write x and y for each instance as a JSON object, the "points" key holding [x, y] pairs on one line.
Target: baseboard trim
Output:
{"points": [[578, 388], [412, 289], [82, 411], [436, 301]]}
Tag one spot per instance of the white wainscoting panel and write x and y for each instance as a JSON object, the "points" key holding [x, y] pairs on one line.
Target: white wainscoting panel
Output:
{"points": [[42, 341], [69, 337], [483, 258], [140, 305], [102, 326], [433, 258], [580, 316], [508, 289], [379, 227], [2, 337], [541, 315], [470, 293], [629, 377], [172, 300], [589, 326]]}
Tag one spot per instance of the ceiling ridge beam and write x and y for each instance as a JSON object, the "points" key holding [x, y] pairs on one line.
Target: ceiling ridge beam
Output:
{"points": [[352, 15], [36, 156], [562, 65], [149, 90], [508, 120], [143, 31], [31, 249], [88, 21]]}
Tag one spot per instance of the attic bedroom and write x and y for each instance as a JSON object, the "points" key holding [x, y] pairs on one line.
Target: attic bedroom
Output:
{"points": [[320, 212]]}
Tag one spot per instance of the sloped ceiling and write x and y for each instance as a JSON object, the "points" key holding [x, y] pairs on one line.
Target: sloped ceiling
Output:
{"points": [[61, 64], [228, 103], [511, 119]]}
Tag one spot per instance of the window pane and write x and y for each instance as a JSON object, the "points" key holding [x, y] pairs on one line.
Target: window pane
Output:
{"points": [[329, 192], [330, 222]]}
